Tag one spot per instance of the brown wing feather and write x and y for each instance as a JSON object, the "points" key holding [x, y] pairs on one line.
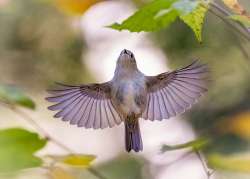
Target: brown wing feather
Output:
{"points": [[87, 106], [174, 92]]}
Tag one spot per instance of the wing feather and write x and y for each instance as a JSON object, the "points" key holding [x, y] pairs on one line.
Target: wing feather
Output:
{"points": [[78, 112], [91, 115], [161, 106], [84, 118], [80, 122], [157, 108], [176, 106], [87, 106], [174, 92], [71, 110], [103, 116], [165, 109], [151, 107], [115, 115], [182, 99], [169, 103], [64, 103], [97, 121], [109, 115]]}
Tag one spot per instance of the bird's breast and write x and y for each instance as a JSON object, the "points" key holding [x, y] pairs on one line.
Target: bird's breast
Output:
{"points": [[130, 98]]}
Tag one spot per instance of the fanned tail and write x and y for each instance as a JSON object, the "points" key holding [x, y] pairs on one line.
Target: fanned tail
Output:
{"points": [[133, 140]]}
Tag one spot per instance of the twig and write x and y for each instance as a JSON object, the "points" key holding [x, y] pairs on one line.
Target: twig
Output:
{"points": [[184, 155], [208, 172], [235, 25], [206, 169], [96, 173], [46, 135]]}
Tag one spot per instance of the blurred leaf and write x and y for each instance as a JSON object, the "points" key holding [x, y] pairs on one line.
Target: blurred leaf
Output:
{"points": [[242, 15], [226, 144], [79, 160], [59, 173], [161, 13], [17, 149], [34, 37], [76, 160], [195, 20], [235, 6], [121, 167], [13, 95], [125, 167], [233, 163], [195, 145], [75, 7], [239, 125], [242, 19]]}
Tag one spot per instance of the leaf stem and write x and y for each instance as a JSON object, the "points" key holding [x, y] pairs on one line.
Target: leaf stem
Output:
{"points": [[208, 172]]}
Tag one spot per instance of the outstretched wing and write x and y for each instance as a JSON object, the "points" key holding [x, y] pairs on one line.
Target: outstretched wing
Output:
{"points": [[172, 93], [87, 106]]}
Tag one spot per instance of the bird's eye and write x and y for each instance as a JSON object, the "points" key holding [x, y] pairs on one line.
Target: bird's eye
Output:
{"points": [[131, 55]]}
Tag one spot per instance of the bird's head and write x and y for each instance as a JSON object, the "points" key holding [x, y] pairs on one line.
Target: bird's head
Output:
{"points": [[127, 60]]}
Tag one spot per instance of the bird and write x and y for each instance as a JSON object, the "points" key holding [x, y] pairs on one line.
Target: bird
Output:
{"points": [[129, 96]]}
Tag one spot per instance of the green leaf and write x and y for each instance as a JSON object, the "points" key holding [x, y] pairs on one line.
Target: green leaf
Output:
{"points": [[147, 18], [195, 145], [125, 167], [195, 20], [242, 19], [13, 95], [17, 149], [160, 13], [232, 163], [77, 160]]}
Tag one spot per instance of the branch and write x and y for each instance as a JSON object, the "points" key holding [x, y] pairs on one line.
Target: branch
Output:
{"points": [[206, 169], [184, 155], [208, 172], [46, 135], [223, 14]]}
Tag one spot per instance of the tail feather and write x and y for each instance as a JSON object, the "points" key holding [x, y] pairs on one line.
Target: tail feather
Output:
{"points": [[133, 140]]}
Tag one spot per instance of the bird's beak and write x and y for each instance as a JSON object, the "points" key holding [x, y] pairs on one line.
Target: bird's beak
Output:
{"points": [[126, 56], [125, 52]]}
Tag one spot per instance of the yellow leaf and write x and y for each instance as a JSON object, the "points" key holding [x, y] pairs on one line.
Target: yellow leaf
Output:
{"points": [[75, 7], [75, 160], [59, 173], [195, 20], [233, 163], [79, 160]]}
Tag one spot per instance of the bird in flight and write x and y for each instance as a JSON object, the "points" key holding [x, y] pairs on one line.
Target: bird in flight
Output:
{"points": [[129, 96]]}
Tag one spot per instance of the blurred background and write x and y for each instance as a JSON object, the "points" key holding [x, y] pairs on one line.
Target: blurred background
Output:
{"points": [[43, 41]]}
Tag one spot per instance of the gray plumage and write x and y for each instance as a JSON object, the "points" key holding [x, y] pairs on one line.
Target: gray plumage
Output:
{"points": [[130, 95]]}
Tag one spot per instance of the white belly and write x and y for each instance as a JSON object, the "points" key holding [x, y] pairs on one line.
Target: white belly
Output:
{"points": [[129, 105], [126, 98]]}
